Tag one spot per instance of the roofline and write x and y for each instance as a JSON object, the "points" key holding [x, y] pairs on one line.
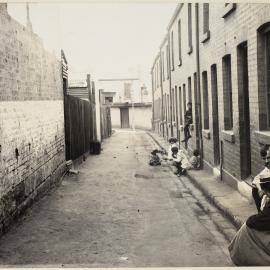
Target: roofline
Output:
{"points": [[164, 41], [156, 58], [175, 14]]}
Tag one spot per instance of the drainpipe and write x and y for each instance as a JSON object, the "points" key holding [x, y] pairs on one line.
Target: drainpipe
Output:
{"points": [[161, 87], [170, 81], [198, 84]]}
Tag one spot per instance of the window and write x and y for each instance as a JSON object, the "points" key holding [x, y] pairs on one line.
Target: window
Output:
{"points": [[165, 108], [157, 74], [167, 58], [184, 98], [127, 90], [206, 32], [176, 106], [205, 17], [189, 28], [168, 107], [108, 100], [189, 90], [172, 52], [205, 101], [227, 92], [179, 43], [163, 70], [173, 106], [267, 74], [180, 107]]}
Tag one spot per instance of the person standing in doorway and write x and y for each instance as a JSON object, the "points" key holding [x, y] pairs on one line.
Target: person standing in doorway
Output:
{"points": [[188, 122]]}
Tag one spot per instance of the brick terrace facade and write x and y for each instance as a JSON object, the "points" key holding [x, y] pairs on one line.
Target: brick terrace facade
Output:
{"points": [[218, 59]]}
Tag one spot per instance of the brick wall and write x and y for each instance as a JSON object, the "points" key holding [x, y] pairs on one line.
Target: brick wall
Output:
{"points": [[229, 26], [32, 151]]}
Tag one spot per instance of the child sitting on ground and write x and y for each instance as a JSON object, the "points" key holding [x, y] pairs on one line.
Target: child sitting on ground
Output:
{"points": [[173, 142], [193, 162], [154, 159], [177, 157]]}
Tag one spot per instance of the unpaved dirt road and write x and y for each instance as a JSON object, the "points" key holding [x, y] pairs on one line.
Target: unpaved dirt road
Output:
{"points": [[117, 212]]}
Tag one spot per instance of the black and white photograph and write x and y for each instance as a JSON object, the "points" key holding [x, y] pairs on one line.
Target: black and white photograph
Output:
{"points": [[134, 134]]}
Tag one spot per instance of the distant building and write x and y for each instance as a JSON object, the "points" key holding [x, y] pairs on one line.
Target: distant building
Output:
{"points": [[130, 102]]}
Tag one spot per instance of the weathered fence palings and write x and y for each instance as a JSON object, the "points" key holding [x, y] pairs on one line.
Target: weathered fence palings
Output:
{"points": [[79, 127]]}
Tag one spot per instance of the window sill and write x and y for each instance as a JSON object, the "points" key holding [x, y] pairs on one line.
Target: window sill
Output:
{"points": [[263, 137], [228, 9], [190, 49], [205, 36], [206, 134], [228, 136]]}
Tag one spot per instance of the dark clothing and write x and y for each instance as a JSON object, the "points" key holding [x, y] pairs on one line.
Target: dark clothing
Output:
{"points": [[154, 160], [257, 198], [261, 221], [178, 165], [188, 122], [188, 117], [187, 132]]}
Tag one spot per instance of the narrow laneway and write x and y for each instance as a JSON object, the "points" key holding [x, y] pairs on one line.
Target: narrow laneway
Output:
{"points": [[118, 211]]}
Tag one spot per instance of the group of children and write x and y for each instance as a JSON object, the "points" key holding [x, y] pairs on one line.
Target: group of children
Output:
{"points": [[176, 157]]}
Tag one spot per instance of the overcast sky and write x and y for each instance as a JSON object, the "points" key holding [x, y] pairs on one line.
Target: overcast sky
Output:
{"points": [[107, 40]]}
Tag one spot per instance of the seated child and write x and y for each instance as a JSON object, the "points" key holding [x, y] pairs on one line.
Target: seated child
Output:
{"points": [[173, 142], [193, 162], [154, 159], [177, 157], [257, 192]]}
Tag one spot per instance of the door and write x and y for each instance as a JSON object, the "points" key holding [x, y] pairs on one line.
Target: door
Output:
{"points": [[215, 117], [244, 117], [124, 115]]}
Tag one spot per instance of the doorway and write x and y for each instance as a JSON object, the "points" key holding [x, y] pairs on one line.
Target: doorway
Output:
{"points": [[215, 117], [244, 115], [124, 116]]}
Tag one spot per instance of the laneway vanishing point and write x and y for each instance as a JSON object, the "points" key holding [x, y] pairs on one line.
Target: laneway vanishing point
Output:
{"points": [[118, 212]]}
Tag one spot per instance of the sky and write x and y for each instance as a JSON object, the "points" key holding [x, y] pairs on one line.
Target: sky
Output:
{"points": [[105, 39]]}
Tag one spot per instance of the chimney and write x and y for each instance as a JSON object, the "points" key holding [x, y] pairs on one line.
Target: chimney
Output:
{"points": [[3, 8], [28, 22]]}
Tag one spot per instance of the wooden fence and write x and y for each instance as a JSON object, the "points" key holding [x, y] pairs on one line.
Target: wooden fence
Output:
{"points": [[105, 121], [79, 126]]}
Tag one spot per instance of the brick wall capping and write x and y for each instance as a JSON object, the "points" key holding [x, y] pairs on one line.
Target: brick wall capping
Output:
{"points": [[228, 9], [228, 135], [205, 36], [190, 49], [263, 137], [206, 134], [181, 128]]}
